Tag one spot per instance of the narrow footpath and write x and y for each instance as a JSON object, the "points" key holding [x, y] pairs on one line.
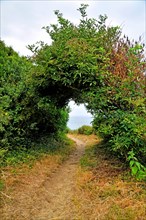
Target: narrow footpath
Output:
{"points": [[97, 187], [53, 198], [58, 191]]}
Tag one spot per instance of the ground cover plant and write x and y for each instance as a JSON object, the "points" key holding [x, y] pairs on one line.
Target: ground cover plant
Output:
{"points": [[89, 63]]}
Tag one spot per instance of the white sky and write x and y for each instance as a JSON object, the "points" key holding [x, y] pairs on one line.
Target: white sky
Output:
{"points": [[22, 20], [78, 110]]}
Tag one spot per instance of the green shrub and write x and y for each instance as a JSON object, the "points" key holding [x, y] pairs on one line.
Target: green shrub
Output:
{"points": [[79, 65], [44, 146], [85, 129], [24, 113]]}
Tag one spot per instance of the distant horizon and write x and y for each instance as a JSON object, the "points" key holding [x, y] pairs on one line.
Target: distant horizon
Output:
{"points": [[77, 121]]}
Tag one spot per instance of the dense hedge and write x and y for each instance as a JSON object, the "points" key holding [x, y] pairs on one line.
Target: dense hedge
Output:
{"points": [[89, 63], [25, 114]]}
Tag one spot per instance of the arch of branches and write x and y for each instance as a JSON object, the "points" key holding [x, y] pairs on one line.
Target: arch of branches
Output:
{"points": [[89, 63]]}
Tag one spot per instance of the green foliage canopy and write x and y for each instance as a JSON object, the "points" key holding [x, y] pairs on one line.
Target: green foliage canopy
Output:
{"points": [[90, 63]]}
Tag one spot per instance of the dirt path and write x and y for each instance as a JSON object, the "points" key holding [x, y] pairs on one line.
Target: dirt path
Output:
{"points": [[57, 193], [53, 199], [50, 191]]}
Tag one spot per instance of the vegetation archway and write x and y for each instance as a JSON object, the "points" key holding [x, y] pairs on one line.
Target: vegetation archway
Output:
{"points": [[89, 63]]}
